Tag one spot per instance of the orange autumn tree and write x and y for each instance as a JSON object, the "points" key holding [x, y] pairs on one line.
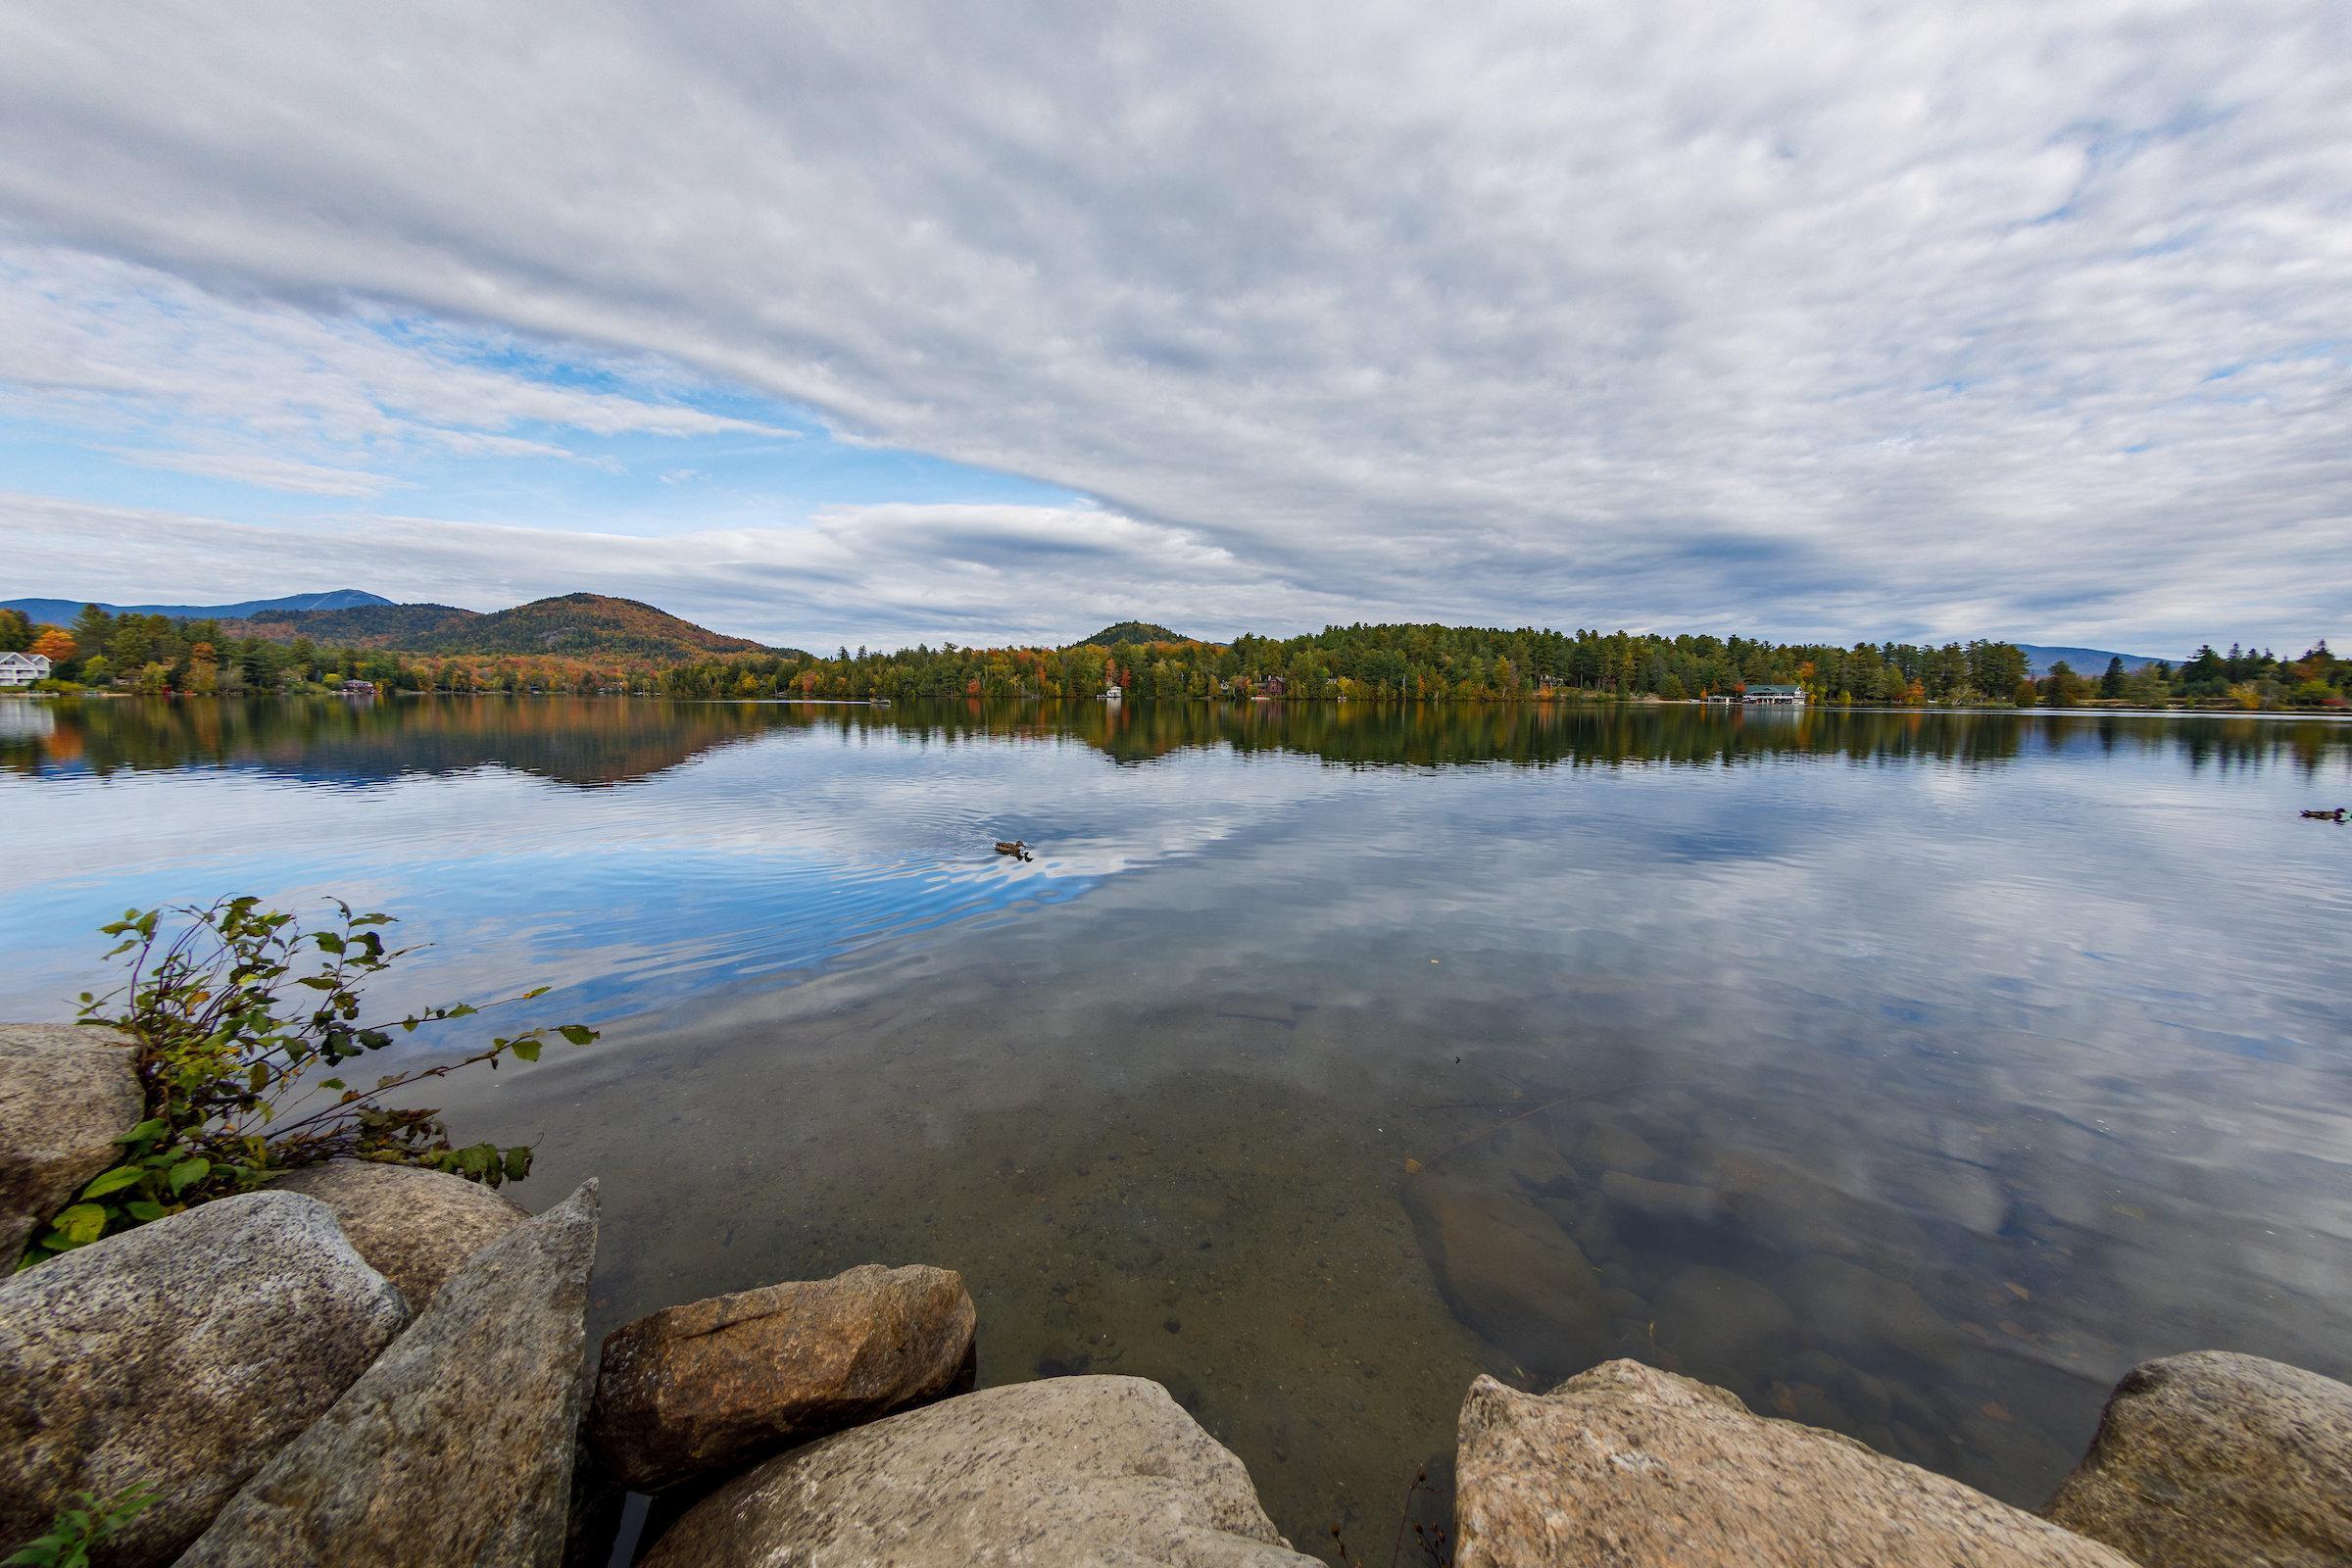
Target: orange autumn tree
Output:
{"points": [[54, 644]]}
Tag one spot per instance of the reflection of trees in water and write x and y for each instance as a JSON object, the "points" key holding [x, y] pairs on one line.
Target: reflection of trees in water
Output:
{"points": [[599, 741], [1543, 734], [574, 740]]}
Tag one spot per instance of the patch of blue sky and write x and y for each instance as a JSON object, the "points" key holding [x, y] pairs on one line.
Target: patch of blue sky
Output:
{"points": [[38, 457], [633, 481]]}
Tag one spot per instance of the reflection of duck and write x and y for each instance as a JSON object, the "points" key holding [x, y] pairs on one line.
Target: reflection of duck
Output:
{"points": [[2336, 815], [1014, 847]]}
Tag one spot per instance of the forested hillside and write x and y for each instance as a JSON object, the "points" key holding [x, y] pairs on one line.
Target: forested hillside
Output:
{"points": [[1128, 633], [575, 625], [362, 627]]}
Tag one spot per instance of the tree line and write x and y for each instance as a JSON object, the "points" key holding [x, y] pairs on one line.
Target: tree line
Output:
{"points": [[156, 655], [2242, 678], [1416, 662], [1411, 662]]}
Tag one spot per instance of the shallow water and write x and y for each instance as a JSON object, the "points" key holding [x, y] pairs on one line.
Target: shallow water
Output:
{"points": [[1911, 1074]]}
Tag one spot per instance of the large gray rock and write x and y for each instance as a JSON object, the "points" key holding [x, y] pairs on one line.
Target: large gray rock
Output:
{"points": [[1071, 1471], [693, 1389], [65, 1094], [2212, 1459], [1636, 1468], [457, 1445], [181, 1355], [414, 1226], [1510, 1273]]}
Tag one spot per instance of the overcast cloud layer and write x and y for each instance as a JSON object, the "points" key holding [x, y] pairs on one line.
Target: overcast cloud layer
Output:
{"points": [[1935, 320]]}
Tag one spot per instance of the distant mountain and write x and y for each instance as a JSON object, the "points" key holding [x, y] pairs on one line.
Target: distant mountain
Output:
{"points": [[1128, 632], [573, 626], [2082, 661], [395, 627], [60, 611]]}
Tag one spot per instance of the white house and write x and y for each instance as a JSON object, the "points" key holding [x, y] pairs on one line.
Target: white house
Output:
{"points": [[22, 669], [1776, 696]]}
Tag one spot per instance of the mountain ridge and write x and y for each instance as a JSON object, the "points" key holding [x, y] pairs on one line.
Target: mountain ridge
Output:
{"points": [[579, 625], [60, 611], [2092, 662]]}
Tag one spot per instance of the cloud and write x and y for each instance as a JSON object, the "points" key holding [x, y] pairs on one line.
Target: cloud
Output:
{"points": [[137, 350], [1945, 319], [272, 473]]}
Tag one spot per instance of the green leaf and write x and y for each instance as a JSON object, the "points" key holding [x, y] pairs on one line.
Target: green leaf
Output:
{"points": [[577, 1034], [113, 1181], [82, 1224], [528, 1050], [190, 1171], [146, 1211], [328, 942]]}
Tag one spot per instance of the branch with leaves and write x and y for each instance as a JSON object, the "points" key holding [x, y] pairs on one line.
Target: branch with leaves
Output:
{"points": [[243, 1019]]}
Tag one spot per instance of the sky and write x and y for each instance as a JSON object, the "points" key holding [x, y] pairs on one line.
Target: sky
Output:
{"points": [[912, 322]]}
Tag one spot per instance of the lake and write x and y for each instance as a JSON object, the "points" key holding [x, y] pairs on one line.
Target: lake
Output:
{"points": [[1911, 1074]]}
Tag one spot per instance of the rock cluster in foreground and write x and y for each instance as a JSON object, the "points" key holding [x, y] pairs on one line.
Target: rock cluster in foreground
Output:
{"points": [[413, 1227], [2213, 1461], [375, 1365], [180, 1355], [1072, 1471], [66, 1093], [456, 1447], [692, 1389], [1628, 1466]]}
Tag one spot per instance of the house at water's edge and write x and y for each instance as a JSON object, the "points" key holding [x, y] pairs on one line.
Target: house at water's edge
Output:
{"points": [[22, 669], [1774, 696]]}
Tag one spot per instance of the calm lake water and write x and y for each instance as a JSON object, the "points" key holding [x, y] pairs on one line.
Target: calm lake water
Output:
{"points": [[1910, 1074]]}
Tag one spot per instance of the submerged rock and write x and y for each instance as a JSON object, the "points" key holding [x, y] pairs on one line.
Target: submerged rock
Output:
{"points": [[1068, 1472], [1635, 1468], [180, 1355], [457, 1445], [693, 1388], [414, 1226], [2211, 1461], [1648, 1214], [1724, 1327], [1510, 1274], [66, 1094], [1865, 1317], [1612, 1147]]}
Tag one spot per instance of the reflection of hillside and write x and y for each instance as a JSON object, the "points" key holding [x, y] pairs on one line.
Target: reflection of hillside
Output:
{"points": [[580, 741], [589, 742]]}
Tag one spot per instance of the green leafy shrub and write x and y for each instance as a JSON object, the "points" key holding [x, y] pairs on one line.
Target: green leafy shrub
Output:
{"points": [[76, 1529], [242, 1017]]}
